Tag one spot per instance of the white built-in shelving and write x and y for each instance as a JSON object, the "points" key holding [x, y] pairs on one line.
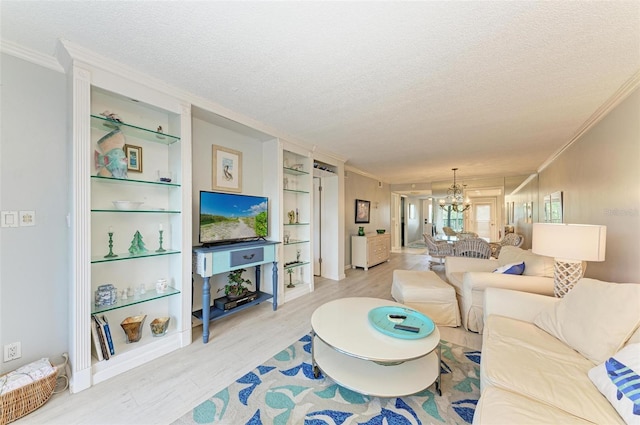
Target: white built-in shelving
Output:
{"points": [[157, 126]]}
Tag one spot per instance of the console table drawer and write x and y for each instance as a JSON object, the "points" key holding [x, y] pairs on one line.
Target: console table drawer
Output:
{"points": [[246, 256]]}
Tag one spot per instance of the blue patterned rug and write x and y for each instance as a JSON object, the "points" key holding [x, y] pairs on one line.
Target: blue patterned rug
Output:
{"points": [[283, 391]]}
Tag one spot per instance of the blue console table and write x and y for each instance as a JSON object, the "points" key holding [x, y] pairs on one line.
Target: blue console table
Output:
{"points": [[214, 260]]}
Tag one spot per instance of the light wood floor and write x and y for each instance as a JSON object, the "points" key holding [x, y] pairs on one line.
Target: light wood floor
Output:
{"points": [[165, 389]]}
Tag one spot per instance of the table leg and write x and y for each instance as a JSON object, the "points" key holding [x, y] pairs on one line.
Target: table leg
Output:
{"points": [[274, 283], [439, 381], [206, 308], [314, 365]]}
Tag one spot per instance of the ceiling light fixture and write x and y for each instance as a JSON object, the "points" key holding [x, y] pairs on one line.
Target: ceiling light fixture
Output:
{"points": [[455, 197]]}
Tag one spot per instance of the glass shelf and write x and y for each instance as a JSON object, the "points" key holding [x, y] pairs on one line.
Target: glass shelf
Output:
{"points": [[295, 242], [127, 256], [295, 191], [132, 181], [102, 123], [294, 265], [296, 224], [107, 210], [294, 172], [150, 295]]}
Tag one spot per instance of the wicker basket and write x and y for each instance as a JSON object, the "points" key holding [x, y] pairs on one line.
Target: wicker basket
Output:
{"points": [[24, 400]]}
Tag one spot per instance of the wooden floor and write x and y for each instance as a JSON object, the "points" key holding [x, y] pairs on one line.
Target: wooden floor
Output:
{"points": [[167, 388]]}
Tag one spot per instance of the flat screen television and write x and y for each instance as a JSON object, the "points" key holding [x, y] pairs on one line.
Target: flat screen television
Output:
{"points": [[228, 217]]}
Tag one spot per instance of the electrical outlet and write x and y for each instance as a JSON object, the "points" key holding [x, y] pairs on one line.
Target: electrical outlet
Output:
{"points": [[12, 351]]}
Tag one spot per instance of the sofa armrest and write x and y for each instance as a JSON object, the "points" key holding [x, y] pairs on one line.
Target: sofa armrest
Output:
{"points": [[465, 264], [475, 281], [518, 305]]}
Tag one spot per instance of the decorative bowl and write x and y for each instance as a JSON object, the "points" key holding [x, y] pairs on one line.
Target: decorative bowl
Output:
{"points": [[380, 231], [159, 326], [132, 327], [127, 205]]}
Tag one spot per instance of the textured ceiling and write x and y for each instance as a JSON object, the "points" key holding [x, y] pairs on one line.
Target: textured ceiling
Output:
{"points": [[403, 90]]}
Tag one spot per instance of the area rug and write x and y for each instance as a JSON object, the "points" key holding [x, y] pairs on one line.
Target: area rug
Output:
{"points": [[283, 391], [417, 244]]}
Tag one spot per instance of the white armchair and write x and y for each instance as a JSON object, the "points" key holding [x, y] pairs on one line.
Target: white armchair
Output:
{"points": [[471, 276]]}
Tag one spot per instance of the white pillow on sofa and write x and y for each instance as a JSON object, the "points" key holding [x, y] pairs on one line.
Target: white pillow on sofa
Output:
{"points": [[595, 318], [623, 368]]}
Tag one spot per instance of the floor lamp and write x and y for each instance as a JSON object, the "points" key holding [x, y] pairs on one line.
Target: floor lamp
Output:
{"points": [[569, 245]]}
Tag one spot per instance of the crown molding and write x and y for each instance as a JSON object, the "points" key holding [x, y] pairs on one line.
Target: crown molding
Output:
{"points": [[362, 173], [623, 91], [29, 55], [68, 52]]}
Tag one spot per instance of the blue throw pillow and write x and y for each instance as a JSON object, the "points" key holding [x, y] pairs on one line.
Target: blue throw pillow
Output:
{"points": [[514, 268]]}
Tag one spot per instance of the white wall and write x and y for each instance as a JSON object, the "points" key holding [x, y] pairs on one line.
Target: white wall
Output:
{"points": [[599, 177], [204, 136], [358, 186], [34, 176]]}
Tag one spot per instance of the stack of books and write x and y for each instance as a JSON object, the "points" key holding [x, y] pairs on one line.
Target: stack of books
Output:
{"points": [[102, 341]]}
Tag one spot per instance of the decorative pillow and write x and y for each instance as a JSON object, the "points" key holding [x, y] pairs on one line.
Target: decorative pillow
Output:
{"points": [[595, 318], [514, 268], [537, 265], [618, 379]]}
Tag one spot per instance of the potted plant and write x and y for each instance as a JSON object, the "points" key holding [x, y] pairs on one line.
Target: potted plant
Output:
{"points": [[236, 287]]}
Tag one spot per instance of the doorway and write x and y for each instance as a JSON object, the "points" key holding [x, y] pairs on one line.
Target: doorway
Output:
{"points": [[402, 222], [483, 218]]}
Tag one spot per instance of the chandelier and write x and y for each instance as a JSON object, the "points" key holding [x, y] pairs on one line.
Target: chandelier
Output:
{"points": [[455, 197]]}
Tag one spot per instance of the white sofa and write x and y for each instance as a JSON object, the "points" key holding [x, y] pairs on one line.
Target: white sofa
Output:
{"points": [[529, 375], [470, 277]]}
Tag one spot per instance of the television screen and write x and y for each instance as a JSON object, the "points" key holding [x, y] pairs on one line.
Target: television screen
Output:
{"points": [[227, 217]]}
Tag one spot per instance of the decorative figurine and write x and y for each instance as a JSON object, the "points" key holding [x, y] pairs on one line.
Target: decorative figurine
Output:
{"points": [[290, 285], [111, 116], [297, 216], [298, 252], [160, 136], [292, 216], [137, 245]]}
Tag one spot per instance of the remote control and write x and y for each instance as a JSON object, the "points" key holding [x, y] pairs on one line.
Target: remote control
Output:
{"points": [[407, 328]]}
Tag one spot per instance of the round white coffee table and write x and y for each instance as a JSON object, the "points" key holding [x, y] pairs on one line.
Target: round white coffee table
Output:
{"points": [[347, 348]]}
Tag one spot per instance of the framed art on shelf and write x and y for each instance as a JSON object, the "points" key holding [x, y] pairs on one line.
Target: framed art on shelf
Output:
{"points": [[134, 158], [226, 169], [363, 210]]}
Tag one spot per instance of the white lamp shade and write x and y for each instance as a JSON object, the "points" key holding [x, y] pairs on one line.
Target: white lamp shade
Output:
{"points": [[578, 242]]}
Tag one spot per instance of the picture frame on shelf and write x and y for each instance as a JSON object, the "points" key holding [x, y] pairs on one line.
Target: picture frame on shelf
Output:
{"points": [[226, 169], [363, 211], [134, 158]]}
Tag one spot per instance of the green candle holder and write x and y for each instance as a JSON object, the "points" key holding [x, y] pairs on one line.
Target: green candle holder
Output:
{"points": [[110, 254], [161, 249]]}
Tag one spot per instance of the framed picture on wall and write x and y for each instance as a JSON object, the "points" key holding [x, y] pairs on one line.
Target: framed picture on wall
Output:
{"points": [[226, 169], [363, 211]]}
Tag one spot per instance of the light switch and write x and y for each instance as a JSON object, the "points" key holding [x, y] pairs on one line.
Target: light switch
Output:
{"points": [[27, 218], [9, 218]]}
